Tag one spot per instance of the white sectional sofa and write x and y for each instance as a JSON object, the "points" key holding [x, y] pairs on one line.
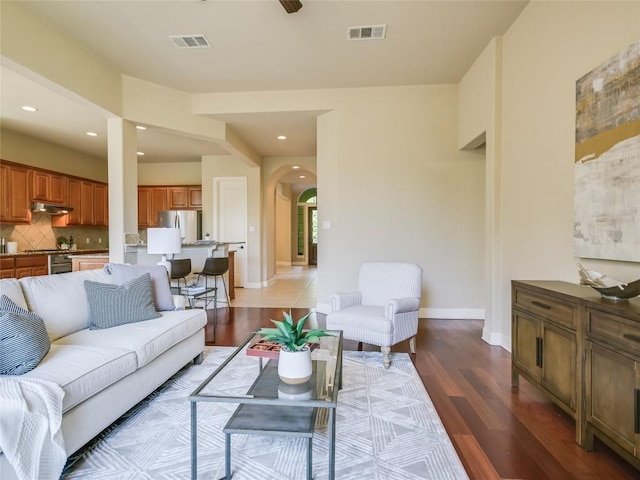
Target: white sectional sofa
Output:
{"points": [[105, 372]]}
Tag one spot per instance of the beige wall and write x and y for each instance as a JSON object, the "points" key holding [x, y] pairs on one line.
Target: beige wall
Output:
{"points": [[548, 48], [480, 120], [170, 173], [19, 148], [55, 60], [395, 187]]}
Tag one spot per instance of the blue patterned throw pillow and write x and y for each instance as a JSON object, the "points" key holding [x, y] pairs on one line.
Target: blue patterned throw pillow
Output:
{"points": [[112, 305], [23, 339]]}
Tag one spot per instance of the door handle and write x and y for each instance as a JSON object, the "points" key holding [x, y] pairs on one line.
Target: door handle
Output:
{"points": [[636, 413], [540, 304], [539, 351]]}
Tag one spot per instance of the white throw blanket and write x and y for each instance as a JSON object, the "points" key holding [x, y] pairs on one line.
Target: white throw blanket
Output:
{"points": [[30, 433]]}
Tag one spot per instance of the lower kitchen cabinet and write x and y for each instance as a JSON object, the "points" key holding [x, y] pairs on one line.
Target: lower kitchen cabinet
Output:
{"points": [[18, 266]]}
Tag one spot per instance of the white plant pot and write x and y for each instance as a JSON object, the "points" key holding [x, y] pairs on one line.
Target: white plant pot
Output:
{"points": [[294, 367]]}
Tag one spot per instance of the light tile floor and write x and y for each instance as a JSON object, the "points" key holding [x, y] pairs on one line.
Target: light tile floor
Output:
{"points": [[294, 287]]}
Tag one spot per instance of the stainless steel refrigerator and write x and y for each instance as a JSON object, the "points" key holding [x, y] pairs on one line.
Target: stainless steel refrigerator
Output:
{"points": [[188, 221]]}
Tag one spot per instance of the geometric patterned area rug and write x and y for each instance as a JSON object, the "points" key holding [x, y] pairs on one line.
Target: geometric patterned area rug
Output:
{"points": [[387, 428]]}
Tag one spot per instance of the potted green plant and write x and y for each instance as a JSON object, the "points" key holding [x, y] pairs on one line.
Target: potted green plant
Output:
{"points": [[294, 361]]}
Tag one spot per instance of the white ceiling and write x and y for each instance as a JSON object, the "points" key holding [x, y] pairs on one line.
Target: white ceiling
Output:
{"points": [[256, 46]]}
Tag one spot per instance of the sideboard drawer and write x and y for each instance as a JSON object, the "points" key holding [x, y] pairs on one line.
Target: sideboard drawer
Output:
{"points": [[546, 307], [616, 330]]}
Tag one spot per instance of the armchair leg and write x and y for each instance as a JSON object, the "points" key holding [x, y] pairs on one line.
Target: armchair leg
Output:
{"points": [[386, 361], [412, 344]]}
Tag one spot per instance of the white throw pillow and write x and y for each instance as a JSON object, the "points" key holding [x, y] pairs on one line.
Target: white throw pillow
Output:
{"points": [[162, 297]]}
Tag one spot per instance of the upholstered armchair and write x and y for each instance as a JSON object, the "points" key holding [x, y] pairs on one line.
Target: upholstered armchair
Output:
{"points": [[384, 309]]}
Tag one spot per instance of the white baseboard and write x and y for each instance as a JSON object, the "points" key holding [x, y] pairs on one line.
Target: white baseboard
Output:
{"points": [[453, 313]]}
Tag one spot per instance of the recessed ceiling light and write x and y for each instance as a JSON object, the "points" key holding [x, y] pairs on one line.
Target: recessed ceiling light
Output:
{"points": [[281, 137], [29, 108], [296, 167], [140, 153], [92, 134], [140, 127], [303, 176]]}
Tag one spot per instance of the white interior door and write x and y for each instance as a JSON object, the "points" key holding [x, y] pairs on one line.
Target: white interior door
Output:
{"points": [[230, 219]]}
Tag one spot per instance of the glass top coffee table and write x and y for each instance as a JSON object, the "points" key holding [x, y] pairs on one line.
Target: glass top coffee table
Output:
{"points": [[249, 378]]}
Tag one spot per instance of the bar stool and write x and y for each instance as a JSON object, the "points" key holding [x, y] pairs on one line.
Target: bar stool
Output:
{"points": [[180, 270], [214, 267]]}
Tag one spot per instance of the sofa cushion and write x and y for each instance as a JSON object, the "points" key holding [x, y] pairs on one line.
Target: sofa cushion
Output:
{"points": [[82, 371], [162, 298], [61, 300], [12, 289], [147, 339], [23, 339], [112, 305]]}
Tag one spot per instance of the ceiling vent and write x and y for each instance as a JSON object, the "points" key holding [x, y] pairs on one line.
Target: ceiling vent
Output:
{"points": [[190, 41], [367, 32]]}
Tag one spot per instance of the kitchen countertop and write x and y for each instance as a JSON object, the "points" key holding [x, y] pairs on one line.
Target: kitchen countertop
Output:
{"points": [[57, 252]]}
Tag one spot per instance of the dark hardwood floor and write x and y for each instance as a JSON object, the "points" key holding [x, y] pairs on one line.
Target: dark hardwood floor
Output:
{"points": [[498, 433]]}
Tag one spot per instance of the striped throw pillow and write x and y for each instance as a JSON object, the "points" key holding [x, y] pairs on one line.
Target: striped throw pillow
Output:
{"points": [[23, 339], [112, 305]]}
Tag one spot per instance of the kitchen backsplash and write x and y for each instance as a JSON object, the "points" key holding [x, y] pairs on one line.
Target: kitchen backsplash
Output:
{"points": [[41, 235]]}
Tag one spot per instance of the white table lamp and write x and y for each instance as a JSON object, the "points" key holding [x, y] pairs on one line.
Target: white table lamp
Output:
{"points": [[164, 241]]}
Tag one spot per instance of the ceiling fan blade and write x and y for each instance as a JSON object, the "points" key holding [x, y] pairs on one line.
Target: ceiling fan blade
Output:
{"points": [[291, 6]]}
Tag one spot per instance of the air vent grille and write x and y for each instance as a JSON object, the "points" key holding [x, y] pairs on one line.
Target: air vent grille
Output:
{"points": [[190, 41], [367, 32]]}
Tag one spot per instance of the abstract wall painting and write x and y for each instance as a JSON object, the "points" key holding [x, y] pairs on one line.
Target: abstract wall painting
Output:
{"points": [[607, 160]]}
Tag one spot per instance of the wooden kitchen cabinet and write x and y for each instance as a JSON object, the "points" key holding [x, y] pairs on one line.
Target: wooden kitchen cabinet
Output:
{"points": [[101, 204], [30, 265], [90, 202], [184, 197], [151, 200], [7, 267], [48, 187], [177, 198], [89, 262], [195, 197], [14, 195]]}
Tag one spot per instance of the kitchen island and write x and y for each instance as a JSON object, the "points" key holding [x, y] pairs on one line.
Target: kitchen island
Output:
{"points": [[198, 252]]}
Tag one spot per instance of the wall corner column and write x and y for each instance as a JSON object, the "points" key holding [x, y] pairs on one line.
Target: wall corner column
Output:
{"points": [[123, 184]]}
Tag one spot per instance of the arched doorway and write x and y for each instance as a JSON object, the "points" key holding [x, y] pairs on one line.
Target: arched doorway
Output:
{"points": [[307, 228]]}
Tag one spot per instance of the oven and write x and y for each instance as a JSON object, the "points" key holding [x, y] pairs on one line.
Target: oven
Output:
{"points": [[59, 263]]}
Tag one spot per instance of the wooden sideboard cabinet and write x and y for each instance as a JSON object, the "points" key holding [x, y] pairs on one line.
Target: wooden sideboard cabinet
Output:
{"points": [[544, 347], [584, 352], [612, 380]]}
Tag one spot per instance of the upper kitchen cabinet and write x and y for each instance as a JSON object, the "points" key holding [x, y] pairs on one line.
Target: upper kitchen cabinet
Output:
{"points": [[101, 204], [184, 197], [89, 201], [48, 187], [151, 200], [154, 199], [14, 197]]}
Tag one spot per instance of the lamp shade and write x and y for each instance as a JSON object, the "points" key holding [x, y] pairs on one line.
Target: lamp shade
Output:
{"points": [[163, 241]]}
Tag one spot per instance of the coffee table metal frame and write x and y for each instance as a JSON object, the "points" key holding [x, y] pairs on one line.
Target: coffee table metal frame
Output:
{"points": [[322, 396]]}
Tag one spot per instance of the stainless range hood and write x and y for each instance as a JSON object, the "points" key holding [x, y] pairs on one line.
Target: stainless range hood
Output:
{"points": [[49, 209]]}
